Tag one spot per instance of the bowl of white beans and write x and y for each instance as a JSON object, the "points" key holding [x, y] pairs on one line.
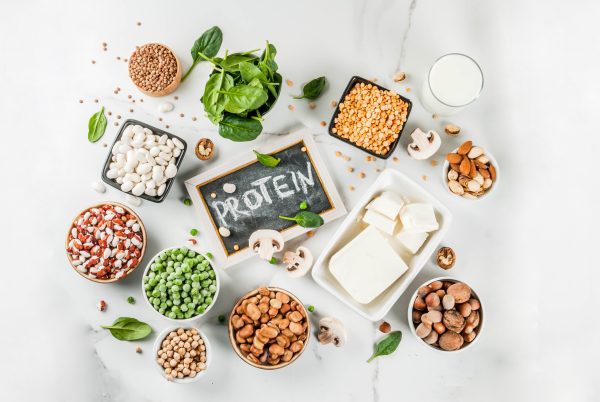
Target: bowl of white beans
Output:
{"points": [[143, 161]]}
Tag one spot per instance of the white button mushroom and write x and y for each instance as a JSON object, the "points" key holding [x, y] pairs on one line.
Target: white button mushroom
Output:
{"points": [[424, 145], [265, 243], [331, 330], [298, 263]]}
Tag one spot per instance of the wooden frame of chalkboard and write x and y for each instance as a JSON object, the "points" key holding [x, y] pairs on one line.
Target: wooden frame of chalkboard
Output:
{"points": [[262, 194]]}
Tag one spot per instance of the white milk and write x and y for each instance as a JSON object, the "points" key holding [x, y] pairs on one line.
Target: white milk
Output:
{"points": [[454, 81]]}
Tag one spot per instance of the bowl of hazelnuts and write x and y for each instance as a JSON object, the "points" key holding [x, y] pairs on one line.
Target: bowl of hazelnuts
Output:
{"points": [[445, 314]]}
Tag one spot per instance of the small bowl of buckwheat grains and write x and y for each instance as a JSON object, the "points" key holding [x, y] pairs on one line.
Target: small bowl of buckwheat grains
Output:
{"points": [[182, 354], [370, 117], [155, 69]]}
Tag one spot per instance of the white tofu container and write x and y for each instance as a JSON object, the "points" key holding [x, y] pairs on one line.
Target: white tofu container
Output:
{"points": [[397, 182]]}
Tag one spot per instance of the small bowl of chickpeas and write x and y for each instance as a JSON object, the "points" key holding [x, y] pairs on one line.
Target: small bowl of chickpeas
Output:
{"points": [[269, 328], [182, 354], [446, 315]]}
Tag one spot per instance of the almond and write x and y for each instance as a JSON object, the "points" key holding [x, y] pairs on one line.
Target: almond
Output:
{"points": [[472, 170], [480, 165], [456, 187], [475, 152], [465, 148], [451, 129], [493, 172], [483, 172], [465, 166], [454, 158], [455, 167]]}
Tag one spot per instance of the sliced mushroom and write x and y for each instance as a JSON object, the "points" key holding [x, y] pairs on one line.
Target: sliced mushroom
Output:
{"points": [[424, 145], [265, 243], [331, 330], [298, 263]]}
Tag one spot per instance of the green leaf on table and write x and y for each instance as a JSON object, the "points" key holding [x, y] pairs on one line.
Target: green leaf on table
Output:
{"points": [[96, 126], [313, 89], [387, 345], [128, 329], [267, 160]]}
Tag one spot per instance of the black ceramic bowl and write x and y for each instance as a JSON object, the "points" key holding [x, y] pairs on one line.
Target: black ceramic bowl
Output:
{"points": [[357, 80], [156, 131]]}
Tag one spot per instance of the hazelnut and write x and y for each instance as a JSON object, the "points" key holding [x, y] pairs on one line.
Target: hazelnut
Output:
{"points": [[431, 317], [451, 341], [446, 258], [454, 321], [464, 309], [439, 328], [432, 300], [431, 338], [420, 303], [448, 302], [424, 291], [440, 292], [475, 305], [423, 330], [416, 316], [460, 291], [436, 285], [385, 327]]}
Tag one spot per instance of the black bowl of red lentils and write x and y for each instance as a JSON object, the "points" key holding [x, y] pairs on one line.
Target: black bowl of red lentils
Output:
{"points": [[370, 117]]}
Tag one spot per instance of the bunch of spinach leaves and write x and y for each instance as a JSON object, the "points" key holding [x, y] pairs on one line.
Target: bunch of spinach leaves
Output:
{"points": [[240, 90]]}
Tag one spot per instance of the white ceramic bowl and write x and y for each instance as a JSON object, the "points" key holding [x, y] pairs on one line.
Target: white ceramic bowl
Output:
{"points": [[185, 320], [466, 345], [446, 167], [351, 226], [161, 337]]}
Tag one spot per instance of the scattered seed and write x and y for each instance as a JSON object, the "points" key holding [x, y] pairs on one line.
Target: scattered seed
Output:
{"points": [[351, 187], [378, 170], [434, 116], [338, 153], [289, 83], [116, 92], [310, 233], [350, 169], [118, 116], [118, 58], [95, 100], [93, 61], [167, 126], [116, 123], [408, 89], [139, 23], [194, 118], [109, 113], [141, 100], [176, 97], [128, 96], [291, 107], [104, 145], [104, 44], [362, 175], [213, 195], [323, 124], [312, 105], [346, 158], [333, 103], [236, 247], [433, 163], [138, 350], [424, 177], [160, 119], [80, 100], [399, 76], [395, 159], [130, 110], [181, 115]]}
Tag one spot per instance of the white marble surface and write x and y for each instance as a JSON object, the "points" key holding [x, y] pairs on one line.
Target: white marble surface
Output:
{"points": [[529, 250]]}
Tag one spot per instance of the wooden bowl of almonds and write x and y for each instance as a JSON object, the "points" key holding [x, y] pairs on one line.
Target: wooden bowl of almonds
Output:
{"points": [[269, 328], [470, 172], [154, 69]]}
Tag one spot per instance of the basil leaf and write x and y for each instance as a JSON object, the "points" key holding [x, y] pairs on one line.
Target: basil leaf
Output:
{"points": [[208, 44], [236, 128], [96, 126], [387, 345], [267, 160], [306, 219], [242, 98], [313, 89], [128, 329], [214, 101]]}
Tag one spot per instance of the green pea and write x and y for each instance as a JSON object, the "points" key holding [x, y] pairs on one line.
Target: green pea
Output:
{"points": [[194, 232], [172, 315]]}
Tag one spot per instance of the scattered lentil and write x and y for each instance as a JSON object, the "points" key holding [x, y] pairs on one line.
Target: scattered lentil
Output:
{"points": [[80, 100], [93, 61], [350, 169], [333, 103], [291, 107], [433, 163], [338, 153], [181, 115], [362, 175], [312, 105], [289, 83], [424, 177], [95, 100], [351, 187], [323, 123], [138, 350], [395, 159], [310, 233]]}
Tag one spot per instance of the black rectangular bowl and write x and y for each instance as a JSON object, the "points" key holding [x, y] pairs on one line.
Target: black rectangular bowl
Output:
{"points": [[357, 80], [156, 131]]}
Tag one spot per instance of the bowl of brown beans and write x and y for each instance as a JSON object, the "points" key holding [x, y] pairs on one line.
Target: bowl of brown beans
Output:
{"points": [[446, 315], [269, 328], [154, 69], [370, 117]]}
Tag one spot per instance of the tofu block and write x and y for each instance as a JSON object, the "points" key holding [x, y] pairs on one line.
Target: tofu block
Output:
{"points": [[412, 241], [418, 218], [381, 222], [388, 204], [367, 265]]}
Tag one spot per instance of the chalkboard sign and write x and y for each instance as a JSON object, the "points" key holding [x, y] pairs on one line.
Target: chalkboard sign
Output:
{"points": [[263, 193]]}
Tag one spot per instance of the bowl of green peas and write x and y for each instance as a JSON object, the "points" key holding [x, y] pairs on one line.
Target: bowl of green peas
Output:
{"points": [[180, 284]]}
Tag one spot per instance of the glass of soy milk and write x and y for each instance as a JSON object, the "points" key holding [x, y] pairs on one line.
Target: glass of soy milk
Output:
{"points": [[454, 81]]}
